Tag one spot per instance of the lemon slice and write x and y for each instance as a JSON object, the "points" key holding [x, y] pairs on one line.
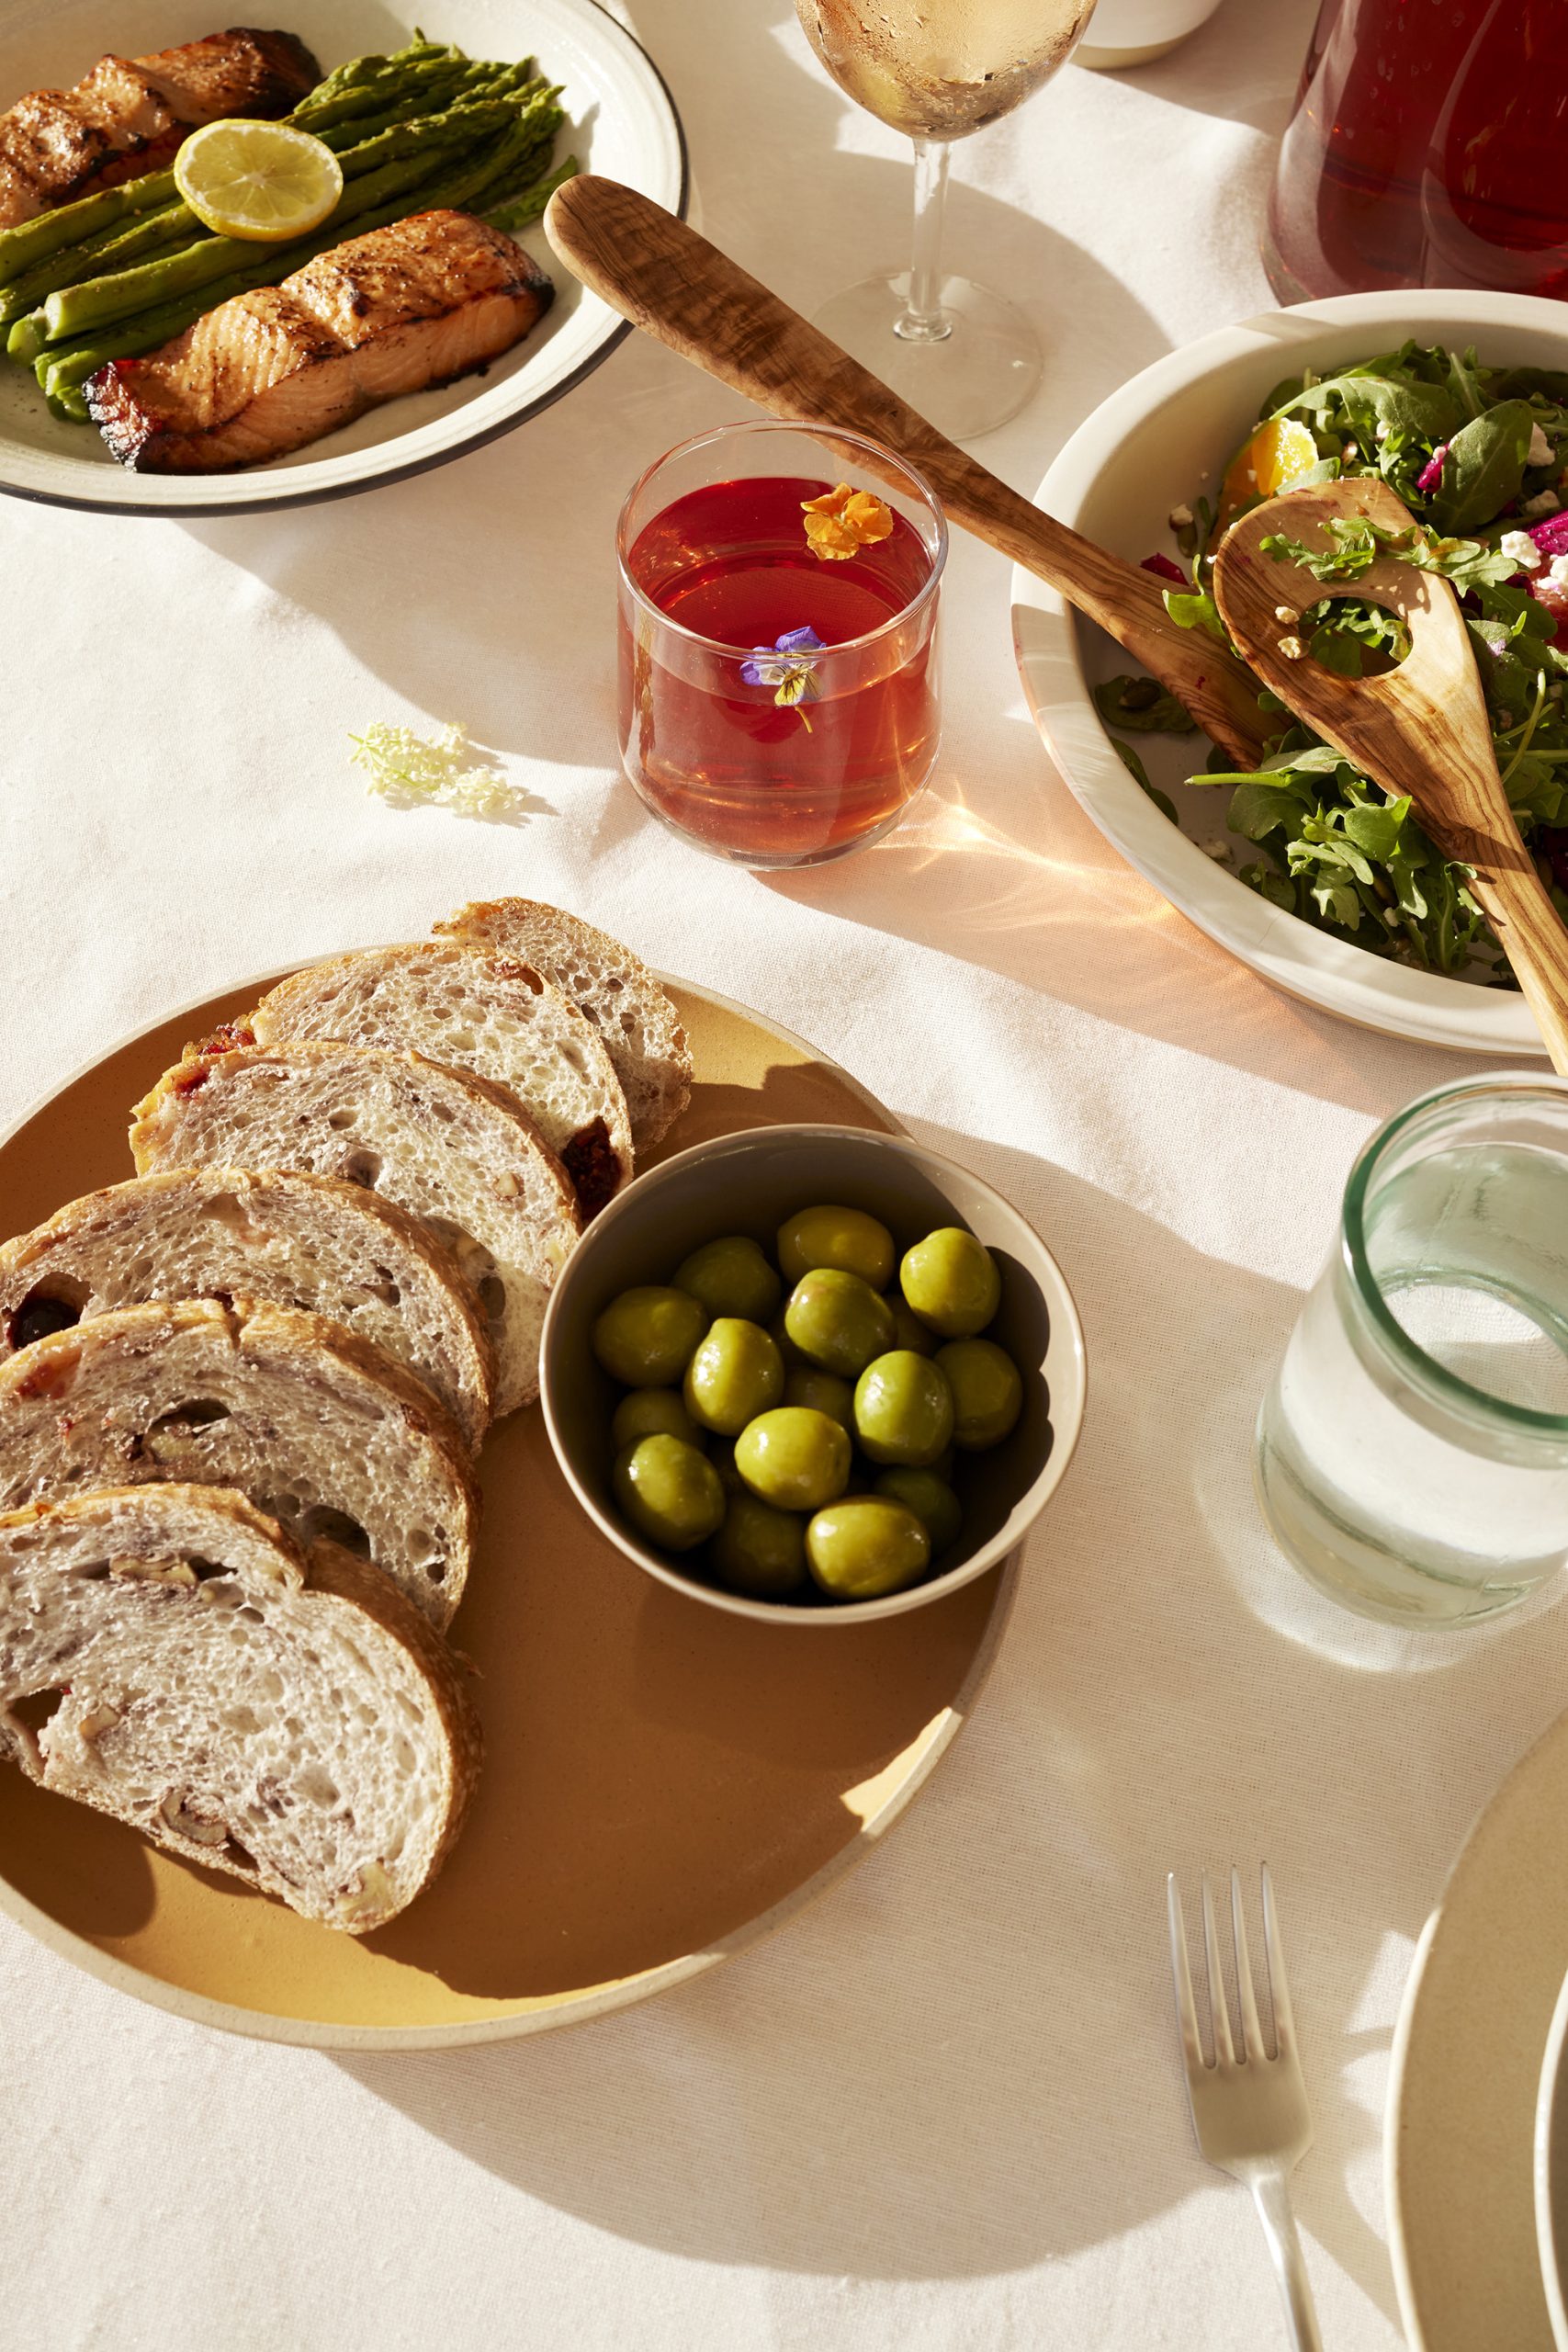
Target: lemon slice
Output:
{"points": [[258, 179]]}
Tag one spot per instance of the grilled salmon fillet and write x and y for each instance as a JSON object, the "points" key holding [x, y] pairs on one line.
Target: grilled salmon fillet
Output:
{"points": [[395, 311], [128, 115]]}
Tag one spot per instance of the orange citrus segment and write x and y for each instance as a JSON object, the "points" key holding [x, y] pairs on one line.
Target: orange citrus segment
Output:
{"points": [[1280, 455]]}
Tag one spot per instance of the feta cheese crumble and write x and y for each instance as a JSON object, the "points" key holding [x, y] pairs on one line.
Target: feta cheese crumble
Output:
{"points": [[1540, 450], [1521, 548]]}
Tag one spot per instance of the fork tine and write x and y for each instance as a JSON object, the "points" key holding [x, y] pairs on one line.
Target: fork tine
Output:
{"points": [[1186, 2006], [1251, 2029], [1219, 2008], [1278, 1988]]}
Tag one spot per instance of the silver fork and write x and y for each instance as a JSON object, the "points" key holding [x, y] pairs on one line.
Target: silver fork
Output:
{"points": [[1249, 2113]]}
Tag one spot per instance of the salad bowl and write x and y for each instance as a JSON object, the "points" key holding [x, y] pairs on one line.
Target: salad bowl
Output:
{"points": [[1163, 440]]}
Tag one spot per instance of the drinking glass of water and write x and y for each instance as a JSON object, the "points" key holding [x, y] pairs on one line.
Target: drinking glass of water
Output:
{"points": [[1413, 1453]]}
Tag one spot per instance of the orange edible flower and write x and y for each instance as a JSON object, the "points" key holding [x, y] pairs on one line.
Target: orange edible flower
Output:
{"points": [[842, 522]]}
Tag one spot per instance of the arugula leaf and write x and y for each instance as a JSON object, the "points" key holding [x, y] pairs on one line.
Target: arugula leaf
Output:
{"points": [[1195, 609], [1139, 775], [1484, 467], [1143, 706]]}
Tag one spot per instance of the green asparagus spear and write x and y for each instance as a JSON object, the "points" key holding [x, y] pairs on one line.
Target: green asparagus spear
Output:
{"points": [[517, 212], [25, 340], [122, 294]]}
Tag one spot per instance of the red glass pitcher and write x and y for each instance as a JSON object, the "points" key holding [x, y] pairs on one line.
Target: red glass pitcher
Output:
{"points": [[1429, 147]]}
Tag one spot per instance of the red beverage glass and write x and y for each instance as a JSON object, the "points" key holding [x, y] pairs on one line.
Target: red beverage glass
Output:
{"points": [[1426, 149], [771, 754]]}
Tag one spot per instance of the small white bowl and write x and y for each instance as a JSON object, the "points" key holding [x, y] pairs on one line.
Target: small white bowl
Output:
{"points": [[1164, 436], [749, 1183]]}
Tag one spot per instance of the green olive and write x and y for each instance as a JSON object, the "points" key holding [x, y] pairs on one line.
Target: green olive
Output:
{"points": [[653, 1412], [669, 1491], [795, 1457], [987, 1394], [865, 1547], [951, 1281], [731, 1276], [908, 1331], [930, 1499], [825, 1392], [903, 1409], [646, 1338], [845, 1238], [838, 1322], [759, 1549], [735, 1374]]}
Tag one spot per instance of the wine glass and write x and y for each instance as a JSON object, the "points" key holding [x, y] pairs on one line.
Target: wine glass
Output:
{"points": [[941, 69]]}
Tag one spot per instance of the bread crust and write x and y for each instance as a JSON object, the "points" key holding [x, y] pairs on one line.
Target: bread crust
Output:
{"points": [[84, 1258]]}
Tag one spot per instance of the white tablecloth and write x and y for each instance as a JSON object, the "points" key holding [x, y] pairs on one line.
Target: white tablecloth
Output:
{"points": [[942, 2109]]}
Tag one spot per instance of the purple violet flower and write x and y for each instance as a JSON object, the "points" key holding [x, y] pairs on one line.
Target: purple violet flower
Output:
{"points": [[769, 672], [786, 666]]}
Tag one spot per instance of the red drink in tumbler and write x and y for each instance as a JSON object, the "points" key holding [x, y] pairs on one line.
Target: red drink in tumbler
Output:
{"points": [[775, 757]]}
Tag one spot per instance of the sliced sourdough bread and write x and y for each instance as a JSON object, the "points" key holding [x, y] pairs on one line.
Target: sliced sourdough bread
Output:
{"points": [[301, 1727], [315, 1426], [609, 987], [454, 1153], [488, 1014], [283, 1237]]}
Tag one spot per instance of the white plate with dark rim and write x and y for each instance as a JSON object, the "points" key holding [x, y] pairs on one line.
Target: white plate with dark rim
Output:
{"points": [[1163, 437], [621, 120], [1469, 2053], [1551, 2171]]}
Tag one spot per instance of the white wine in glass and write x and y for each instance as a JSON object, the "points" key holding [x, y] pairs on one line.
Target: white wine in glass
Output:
{"points": [[940, 69]]}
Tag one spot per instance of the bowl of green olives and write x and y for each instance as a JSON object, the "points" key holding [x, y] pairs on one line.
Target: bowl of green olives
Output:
{"points": [[813, 1374]]}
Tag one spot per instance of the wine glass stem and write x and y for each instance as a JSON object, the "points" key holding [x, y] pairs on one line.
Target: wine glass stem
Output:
{"points": [[923, 320]]}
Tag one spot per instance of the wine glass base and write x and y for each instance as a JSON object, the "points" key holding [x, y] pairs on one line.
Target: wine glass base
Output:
{"points": [[974, 379]]}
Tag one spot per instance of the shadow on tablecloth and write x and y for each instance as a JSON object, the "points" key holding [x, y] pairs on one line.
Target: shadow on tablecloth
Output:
{"points": [[962, 2060]]}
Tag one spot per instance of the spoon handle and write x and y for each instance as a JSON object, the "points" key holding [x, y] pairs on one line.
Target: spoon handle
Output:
{"points": [[668, 280], [1532, 933]]}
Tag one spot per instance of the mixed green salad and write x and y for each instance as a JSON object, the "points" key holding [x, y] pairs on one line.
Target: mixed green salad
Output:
{"points": [[1479, 455]]}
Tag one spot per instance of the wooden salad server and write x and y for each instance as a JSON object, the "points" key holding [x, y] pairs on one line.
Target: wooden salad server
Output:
{"points": [[660, 274], [1421, 728]]}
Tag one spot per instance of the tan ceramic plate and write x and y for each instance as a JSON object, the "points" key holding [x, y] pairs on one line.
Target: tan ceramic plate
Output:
{"points": [[1467, 2060], [663, 1782]]}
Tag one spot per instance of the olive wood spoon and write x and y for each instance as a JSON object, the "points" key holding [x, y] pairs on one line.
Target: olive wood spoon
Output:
{"points": [[1421, 728], [660, 274]]}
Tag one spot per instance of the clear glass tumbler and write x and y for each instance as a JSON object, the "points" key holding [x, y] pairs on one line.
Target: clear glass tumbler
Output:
{"points": [[1413, 1453], [776, 706]]}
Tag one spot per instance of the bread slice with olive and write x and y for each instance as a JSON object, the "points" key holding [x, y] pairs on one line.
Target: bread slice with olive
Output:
{"points": [[491, 1015], [316, 1427], [295, 1722], [283, 1237], [609, 987], [454, 1153]]}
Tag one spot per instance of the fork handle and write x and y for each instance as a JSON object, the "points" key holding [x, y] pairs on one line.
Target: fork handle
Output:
{"points": [[1272, 2195]]}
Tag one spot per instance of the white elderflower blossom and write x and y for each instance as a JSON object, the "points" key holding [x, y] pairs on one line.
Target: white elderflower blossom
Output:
{"points": [[408, 770]]}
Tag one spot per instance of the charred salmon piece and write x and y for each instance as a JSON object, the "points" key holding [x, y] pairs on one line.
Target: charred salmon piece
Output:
{"points": [[241, 72], [392, 312], [130, 114]]}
